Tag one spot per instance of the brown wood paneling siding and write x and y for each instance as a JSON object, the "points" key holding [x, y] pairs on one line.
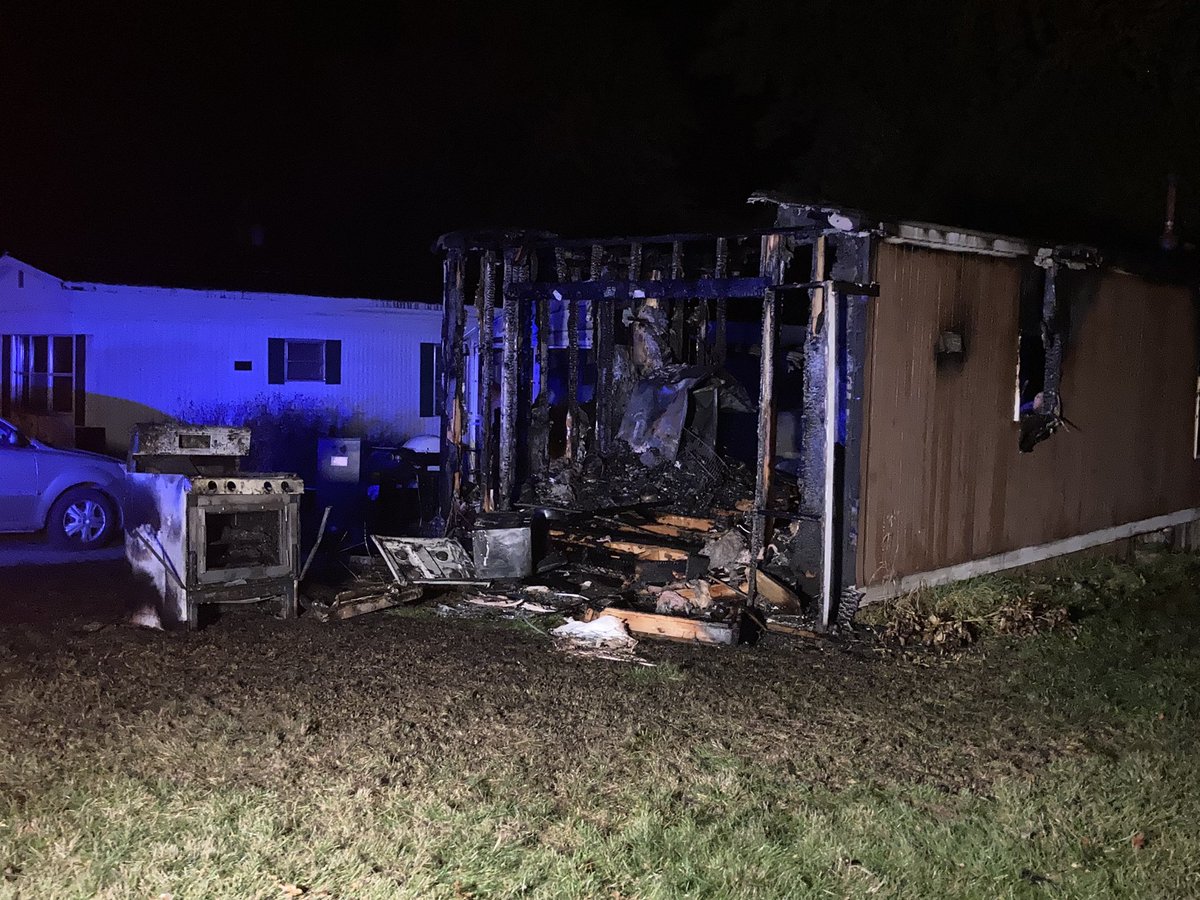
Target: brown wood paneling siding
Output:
{"points": [[944, 483]]}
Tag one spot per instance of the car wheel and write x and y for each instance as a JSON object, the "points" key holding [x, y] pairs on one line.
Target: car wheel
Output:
{"points": [[81, 519]]}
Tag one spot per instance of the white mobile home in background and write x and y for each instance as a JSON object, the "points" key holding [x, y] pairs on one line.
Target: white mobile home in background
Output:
{"points": [[82, 362]]}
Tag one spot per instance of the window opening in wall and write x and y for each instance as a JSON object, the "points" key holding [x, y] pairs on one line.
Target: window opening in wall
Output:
{"points": [[1196, 424], [43, 373], [1031, 346], [304, 360], [301, 359], [431, 379]]}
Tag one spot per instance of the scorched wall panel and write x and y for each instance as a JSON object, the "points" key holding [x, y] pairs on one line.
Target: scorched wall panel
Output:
{"points": [[943, 481]]}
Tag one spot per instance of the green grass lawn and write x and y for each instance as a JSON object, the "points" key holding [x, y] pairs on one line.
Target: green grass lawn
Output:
{"points": [[408, 756]]}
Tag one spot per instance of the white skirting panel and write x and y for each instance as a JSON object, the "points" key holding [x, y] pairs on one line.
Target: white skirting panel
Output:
{"points": [[1025, 556]]}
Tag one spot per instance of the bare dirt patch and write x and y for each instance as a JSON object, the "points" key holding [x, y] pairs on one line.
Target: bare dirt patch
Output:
{"points": [[827, 711]]}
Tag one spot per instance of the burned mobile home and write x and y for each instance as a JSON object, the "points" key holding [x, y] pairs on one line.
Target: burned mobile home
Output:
{"points": [[854, 398]]}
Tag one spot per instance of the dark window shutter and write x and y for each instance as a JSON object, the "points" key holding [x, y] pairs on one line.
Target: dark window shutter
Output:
{"points": [[333, 362], [275, 361], [439, 382], [6, 374], [428, 380]]}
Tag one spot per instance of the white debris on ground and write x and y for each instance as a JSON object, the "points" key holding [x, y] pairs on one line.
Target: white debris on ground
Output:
{"points": [[508, 603], [146, 617], [606, 637]]}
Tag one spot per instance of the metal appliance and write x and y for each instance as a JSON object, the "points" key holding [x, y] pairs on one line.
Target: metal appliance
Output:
{"points": [[203, 530]]}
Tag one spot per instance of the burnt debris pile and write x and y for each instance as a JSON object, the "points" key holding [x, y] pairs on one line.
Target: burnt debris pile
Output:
{"points": [[650, 429]]}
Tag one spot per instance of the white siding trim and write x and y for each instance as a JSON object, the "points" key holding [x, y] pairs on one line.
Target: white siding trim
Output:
{"points": [[961, 240], [832, 409], [1023, 557]]}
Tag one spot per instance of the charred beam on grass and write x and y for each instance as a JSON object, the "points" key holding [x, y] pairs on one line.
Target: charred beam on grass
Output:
{"points": [[453, 319]]}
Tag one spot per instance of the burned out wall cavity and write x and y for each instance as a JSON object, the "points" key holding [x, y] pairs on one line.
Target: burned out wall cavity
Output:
{"points": [[657, 313], [1068, 282]]}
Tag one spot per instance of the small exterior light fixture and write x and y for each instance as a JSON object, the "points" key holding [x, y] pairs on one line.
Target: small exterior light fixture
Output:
{"points": [[949, 343]]}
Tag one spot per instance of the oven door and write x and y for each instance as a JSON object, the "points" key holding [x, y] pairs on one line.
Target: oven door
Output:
{"points": [[235, 538]]}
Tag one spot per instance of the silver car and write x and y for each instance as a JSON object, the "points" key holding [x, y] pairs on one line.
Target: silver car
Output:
{"points": [[75, 496]]}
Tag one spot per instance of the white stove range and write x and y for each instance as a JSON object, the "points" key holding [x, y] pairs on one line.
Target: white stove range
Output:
{"points": [[204, 531]]}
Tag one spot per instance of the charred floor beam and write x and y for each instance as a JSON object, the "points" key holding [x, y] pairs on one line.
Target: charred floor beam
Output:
{"points": [[453, 318]]}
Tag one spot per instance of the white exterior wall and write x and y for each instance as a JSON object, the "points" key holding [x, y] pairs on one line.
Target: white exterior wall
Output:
{"points": [[41, 303], [34, 302], [158, 353], [174, 350]]}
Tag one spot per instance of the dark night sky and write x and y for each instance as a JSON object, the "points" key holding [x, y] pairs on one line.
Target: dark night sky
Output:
{"points": [[142, 143]]}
